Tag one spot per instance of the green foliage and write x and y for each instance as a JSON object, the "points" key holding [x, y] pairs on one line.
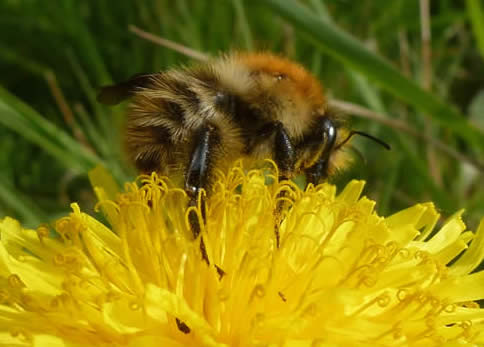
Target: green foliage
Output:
{"points": [[476, 16], [55, 54]]}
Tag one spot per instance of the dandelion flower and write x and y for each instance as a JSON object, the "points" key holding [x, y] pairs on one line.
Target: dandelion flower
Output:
{"points": [[342, 275]]}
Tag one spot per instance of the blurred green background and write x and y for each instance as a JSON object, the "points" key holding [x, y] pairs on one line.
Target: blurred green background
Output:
{"points": [[415, 69]]}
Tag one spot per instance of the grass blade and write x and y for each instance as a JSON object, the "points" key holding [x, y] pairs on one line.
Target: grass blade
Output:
{"points": [[30, 213], [244, 25], [475, 11], [19, 117]]}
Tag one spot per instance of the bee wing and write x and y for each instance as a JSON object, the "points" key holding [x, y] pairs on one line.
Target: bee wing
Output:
{"points": [[116, 93]]}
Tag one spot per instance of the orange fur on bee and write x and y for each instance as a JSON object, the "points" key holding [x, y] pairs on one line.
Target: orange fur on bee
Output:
{"points": [[308, 87]]}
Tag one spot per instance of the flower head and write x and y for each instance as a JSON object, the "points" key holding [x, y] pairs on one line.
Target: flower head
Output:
{"points": [[341, 276]]}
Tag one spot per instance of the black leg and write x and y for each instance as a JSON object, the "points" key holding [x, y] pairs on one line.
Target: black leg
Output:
{"points": [[198, 172], [320, 169], [317, 172], [284, 152], [197, 176], [284, 156]]}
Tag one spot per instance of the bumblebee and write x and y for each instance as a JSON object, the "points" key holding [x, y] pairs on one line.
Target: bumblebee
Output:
{"points": [[185, 122]]}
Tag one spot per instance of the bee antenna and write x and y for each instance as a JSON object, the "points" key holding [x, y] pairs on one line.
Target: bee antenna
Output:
{"points": [[361, 133]]}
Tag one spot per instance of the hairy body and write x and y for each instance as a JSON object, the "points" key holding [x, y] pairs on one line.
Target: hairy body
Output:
{"points": [[248, 106]]}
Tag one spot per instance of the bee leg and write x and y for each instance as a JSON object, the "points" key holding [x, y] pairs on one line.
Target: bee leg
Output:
{"points": [[284, 152], [196, 179], [317, 172], [198, 175], [320, 169], [284, 156]]}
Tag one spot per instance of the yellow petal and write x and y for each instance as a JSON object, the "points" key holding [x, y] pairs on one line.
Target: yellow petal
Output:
{"points": [[473, 257], [341, 276]]}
